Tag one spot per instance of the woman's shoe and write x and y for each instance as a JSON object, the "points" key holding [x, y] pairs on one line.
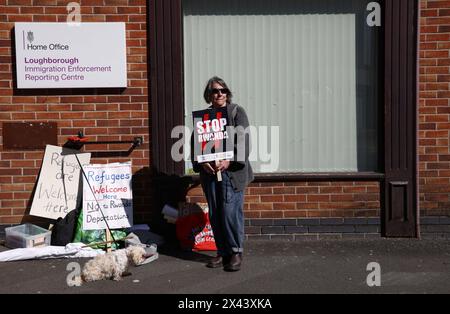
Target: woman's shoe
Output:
{"points": [[235, 263], [215, 262]]}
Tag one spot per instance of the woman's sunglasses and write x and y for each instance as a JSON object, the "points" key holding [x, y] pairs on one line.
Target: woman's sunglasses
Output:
{"points": [[223, 91]]}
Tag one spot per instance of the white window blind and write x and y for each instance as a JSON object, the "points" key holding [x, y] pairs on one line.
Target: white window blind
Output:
{"points": [[309, 67]]}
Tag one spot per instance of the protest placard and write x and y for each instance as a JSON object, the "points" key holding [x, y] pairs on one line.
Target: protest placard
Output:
{"points": [[107, 196], [211, 135], [58, 190]]}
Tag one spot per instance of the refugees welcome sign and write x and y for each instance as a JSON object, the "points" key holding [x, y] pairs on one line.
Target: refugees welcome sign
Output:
{"points": [[107, 196]]}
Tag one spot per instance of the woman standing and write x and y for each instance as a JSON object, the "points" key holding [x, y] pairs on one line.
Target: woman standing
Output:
{"points": [[226, 198]]}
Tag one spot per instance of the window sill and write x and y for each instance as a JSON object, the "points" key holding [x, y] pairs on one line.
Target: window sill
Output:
{"points": [[295, 177]]}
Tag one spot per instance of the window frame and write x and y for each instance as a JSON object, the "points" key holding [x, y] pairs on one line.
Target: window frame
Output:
{"points": [[398, 119], [166, 28]]}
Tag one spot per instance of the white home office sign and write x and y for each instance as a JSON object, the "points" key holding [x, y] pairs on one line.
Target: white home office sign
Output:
{"points": [[61, 55]]}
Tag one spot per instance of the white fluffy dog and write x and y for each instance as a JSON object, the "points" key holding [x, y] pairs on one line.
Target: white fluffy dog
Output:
{"points": [[113, 265]]}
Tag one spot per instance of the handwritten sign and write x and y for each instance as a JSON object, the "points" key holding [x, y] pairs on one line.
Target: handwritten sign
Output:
{"points": [[210, 135], [58, 187], [107, 196]]}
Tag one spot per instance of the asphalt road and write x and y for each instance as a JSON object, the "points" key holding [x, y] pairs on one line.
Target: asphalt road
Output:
{"points": [[269, 267]]}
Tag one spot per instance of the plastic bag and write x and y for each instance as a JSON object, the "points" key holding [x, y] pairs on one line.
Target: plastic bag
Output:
{"points": [[193, 228], [96, 236], [64, 229]]}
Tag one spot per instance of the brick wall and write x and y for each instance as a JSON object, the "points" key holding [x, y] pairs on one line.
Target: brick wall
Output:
{"points": [[307, 199], [121, 115], [102, 115], [434, 122]]}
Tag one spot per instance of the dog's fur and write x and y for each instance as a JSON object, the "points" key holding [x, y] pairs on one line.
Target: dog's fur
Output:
{"points": [[113, 265]]}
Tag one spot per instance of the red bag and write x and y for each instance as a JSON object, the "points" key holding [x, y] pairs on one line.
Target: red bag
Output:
{"points": [[193, 228]]}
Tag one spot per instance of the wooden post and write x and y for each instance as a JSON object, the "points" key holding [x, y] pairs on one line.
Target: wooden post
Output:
{"points": [[218, 173], [108, 240]]}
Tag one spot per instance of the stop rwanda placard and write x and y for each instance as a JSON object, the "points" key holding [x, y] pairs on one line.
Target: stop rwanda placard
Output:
{"points": [[211, 135]]}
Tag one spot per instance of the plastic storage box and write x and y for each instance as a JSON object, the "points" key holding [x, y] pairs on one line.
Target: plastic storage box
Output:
{"points": [[27, 236]]}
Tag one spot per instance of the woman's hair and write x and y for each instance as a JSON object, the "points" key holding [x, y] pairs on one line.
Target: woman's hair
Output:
{"points": [[208, 89]]}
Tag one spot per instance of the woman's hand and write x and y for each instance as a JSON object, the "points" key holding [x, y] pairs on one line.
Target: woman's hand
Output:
{"points": [[208, 168], [222, 165]]}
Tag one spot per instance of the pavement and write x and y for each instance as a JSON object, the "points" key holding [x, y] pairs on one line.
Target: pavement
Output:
{"points": [[406, 266]]}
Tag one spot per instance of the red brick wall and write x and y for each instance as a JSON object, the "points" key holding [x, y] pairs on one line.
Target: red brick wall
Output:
{"points": [[110, 115], [308, 199], [434, 122], [121, 115]]}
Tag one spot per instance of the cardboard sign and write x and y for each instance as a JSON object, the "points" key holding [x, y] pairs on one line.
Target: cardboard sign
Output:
{"points": [[211, 135], [58, 187], [110, 197]]}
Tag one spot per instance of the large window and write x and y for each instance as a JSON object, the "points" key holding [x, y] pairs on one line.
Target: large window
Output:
{"points": [[309, 67]]}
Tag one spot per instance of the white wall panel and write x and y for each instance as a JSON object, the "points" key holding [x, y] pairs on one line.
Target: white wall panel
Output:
{"points": [[291, 64]]}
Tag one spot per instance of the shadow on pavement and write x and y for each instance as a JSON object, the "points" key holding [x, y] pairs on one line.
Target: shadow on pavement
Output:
{"points": [[173, 249]]}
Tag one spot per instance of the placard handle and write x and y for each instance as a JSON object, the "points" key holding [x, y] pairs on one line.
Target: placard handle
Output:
{"points": [[218, 173]]}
